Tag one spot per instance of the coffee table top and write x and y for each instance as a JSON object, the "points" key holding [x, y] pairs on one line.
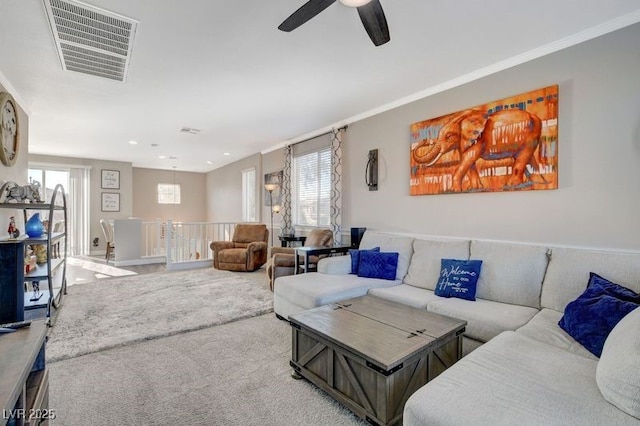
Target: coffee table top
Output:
{"points": [[383, 332]]}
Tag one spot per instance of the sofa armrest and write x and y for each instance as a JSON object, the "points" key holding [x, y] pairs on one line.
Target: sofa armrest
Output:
{"points": [[256, 255], [284, 250], [216, 246], [336, 265]]}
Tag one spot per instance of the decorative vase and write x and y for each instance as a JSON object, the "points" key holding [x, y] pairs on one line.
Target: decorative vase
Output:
{"points": [[34, 227]]}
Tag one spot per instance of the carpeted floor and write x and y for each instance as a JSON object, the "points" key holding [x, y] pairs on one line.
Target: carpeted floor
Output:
{"points": [[122, 311], [232, 374]]}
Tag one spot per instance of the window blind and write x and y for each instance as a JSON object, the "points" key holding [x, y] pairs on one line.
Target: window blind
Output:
{"points": [[311, 188]]}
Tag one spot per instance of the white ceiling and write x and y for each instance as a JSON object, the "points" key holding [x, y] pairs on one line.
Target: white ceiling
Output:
{"points": [[222, 66]]}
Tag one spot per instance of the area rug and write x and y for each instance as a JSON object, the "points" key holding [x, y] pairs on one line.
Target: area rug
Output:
{"points": [[121, 311], [232, 374]]}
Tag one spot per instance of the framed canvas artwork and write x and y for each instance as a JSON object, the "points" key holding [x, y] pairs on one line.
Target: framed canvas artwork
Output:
{"points": [[506, 145], [276, 196]]}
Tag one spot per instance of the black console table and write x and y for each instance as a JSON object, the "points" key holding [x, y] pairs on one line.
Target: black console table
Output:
{"points": [[287, 240], [309, 251]]}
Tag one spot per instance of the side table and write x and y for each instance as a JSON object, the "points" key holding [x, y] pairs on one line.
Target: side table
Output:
{"points": [[287, 240], [309, 251]]}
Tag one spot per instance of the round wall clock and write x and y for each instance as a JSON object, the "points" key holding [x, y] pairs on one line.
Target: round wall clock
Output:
{"points": [[9, 131]]}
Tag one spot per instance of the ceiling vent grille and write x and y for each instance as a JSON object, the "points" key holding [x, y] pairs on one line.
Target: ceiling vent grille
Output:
{"points": [[190, 130], [91, 40]]}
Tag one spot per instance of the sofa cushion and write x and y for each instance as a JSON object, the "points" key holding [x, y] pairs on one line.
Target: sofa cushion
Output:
{"points": [[381, 265], [424, 269], [458, 278], [319, 238], [590, 318], [569, 270], [485, 318], [618, 372], [511, 273], [393, 243], [247, 233], [514, 380], [313, 289], [355, 258], [405, 294], [544, 328], [335, 265]]}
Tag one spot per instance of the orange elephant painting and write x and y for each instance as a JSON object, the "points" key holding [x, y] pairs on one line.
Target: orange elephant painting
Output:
{"points": [[505, 145]]}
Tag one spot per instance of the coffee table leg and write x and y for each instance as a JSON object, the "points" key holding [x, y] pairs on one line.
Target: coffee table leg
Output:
{"points": [[295, 375]]}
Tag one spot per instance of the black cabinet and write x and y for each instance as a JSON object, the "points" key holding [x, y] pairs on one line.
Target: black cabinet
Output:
{"points": [[11, 282]]}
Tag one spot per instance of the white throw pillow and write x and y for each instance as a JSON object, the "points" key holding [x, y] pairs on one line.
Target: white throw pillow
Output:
{"points": [[618, 372]]}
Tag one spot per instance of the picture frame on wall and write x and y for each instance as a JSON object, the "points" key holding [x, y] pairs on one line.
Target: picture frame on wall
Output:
{"points": [[110, 202], [110, 179]]}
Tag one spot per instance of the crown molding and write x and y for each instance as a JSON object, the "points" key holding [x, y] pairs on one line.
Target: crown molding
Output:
{"points": [[547, 49]]}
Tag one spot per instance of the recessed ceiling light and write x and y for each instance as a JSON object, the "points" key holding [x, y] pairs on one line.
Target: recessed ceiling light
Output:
{"points": [[162, 157], [227, 154], [133, 142], [209, 162]]}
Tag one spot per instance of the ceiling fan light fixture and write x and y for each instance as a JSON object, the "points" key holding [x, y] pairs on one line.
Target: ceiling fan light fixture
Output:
{"points": [[354, 3]]}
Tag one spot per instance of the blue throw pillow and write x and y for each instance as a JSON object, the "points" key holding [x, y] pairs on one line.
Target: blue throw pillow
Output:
{"points": [[590, 318], [458, 278], [374, 264], [355, 258]]}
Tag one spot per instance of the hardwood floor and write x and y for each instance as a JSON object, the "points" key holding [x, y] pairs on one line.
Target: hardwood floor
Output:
{"points": [[86, 269]]}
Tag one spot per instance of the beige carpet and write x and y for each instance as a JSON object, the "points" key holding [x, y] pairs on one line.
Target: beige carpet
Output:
{"points": [[232, 374], [121, 311]]}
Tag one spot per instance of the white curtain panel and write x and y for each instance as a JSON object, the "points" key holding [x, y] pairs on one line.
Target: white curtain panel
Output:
{"points": [[78, 211]]}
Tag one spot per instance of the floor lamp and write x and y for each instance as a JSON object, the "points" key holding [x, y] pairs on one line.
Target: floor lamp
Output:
{"points": [[270, 187]]}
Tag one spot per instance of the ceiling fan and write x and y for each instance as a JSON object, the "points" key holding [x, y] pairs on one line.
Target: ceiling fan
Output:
{"points": [[370, 11]]}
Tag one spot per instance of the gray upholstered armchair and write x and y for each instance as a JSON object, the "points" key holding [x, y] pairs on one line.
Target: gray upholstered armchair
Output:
{"points": [[247, 250], [282, 261]]}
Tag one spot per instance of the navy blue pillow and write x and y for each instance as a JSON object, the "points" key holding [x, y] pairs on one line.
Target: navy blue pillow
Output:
{"points": [[458, 278], [590, 318], [375, 264], [355, 258]]}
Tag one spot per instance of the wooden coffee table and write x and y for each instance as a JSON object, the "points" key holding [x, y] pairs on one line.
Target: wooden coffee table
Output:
{"points": [[371, 354]]}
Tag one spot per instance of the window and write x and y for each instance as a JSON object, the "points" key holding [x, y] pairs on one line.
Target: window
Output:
{"points": [[311, 188], [168, 193], [249, 195]]}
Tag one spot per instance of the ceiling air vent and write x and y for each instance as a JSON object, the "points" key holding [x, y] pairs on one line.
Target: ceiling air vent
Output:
{"points": [[190, 130], [91, 40]]}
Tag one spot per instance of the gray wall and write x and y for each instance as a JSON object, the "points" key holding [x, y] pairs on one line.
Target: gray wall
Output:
{"points": [[597, 202], [224, 190], [125, 191], [599, 153], [192, 207]]}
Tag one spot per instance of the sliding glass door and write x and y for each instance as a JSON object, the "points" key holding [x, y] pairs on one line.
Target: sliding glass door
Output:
{"points": [[75, 181]]}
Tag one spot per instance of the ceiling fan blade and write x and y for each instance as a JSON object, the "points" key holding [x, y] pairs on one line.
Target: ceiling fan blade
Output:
{"points": [[305, 13], [375, 22]]}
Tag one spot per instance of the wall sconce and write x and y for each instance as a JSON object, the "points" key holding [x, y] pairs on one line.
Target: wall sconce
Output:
{"points": [[371, 172]]}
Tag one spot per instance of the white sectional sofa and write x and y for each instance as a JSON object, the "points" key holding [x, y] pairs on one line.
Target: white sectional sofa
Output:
{"points": [[521, 366]]}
